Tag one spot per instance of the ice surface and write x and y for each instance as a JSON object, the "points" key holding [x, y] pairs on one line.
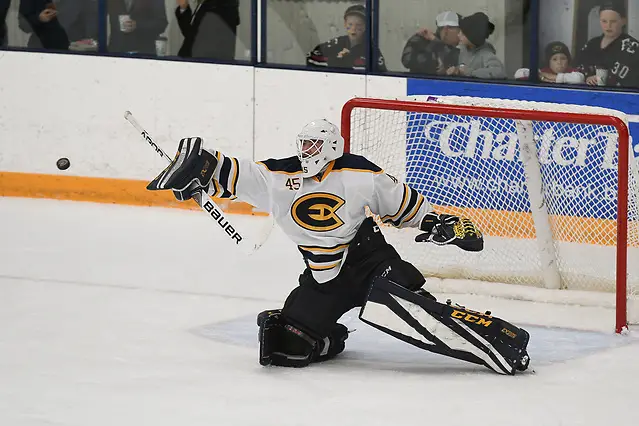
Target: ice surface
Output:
{"points": [[114, 315]]}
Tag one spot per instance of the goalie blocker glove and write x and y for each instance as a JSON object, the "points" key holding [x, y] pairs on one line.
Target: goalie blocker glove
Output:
{"points": [[190, 171], [445, 229]]}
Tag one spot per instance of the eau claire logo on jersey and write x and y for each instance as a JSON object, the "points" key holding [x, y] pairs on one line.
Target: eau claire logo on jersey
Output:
{"points": [[317, 211]]}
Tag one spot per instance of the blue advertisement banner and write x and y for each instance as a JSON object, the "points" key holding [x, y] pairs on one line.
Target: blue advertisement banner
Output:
{"points": [[474, 162], [624, 102]]}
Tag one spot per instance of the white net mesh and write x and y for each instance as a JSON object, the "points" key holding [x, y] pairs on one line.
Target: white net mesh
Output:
{"points": [[474, 166]]}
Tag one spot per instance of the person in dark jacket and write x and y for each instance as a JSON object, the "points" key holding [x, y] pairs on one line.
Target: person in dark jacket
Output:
{"points": [[210, 31], [348, 51], [4, 9], [79, 18], [135, 25], [42, 18], [428, 53], [611, 59]]}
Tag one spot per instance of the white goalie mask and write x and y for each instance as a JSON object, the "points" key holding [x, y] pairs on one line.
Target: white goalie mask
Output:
{"points": [[319, 143]]}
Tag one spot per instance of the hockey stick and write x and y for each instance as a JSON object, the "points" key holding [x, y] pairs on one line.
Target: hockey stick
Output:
{"points": [[232, 233]]}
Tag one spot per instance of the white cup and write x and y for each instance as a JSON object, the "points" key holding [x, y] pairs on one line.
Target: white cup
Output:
{"points": [[160, 46], [123, 20], [602, 76]]}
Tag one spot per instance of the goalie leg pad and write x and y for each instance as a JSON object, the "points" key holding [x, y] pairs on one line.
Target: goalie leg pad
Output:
{"points": [[286, 345], [446, 329]]}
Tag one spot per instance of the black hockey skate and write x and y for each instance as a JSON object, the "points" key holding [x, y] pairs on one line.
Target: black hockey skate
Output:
{"points": [[524, 361], [287, 345]]}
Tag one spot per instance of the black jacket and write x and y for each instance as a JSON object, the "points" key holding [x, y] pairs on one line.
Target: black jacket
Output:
{"points": [[4, 8], [327, 55], [79, 18], [210, 31], [620, 58], [51, 34], [422, 56], [150, 20]]}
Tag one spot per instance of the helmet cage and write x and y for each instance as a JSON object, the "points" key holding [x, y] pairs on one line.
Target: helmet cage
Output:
{"points": [[318, 144]]}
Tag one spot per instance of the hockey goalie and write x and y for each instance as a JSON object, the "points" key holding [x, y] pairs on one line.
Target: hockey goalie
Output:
{"points": [[319, 199]]}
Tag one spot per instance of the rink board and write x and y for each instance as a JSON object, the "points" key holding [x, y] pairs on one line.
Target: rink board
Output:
{"points": [[101, 190], [506, 224]]}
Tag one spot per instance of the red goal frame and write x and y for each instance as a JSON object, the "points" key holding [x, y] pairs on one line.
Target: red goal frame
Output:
{"points": [[518, 114]]}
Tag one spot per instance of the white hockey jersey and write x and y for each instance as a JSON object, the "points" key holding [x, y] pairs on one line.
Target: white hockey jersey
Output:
{"points": [[320, 214]]}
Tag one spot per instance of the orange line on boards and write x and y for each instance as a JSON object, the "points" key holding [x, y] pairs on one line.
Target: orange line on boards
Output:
{"points": [[133, 192], [101, 190]]}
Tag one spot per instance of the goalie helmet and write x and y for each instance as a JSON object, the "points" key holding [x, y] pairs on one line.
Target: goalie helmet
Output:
{"points": [[319, 143]]}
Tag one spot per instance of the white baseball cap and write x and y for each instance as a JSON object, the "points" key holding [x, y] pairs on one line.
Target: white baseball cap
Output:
{"points": [[447, 19]]}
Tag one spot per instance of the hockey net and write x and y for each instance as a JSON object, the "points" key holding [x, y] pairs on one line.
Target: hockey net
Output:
{"points": [[553, 187]]}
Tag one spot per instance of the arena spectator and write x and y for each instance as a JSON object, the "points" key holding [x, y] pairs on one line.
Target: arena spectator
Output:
{"points": [[135, 25], [477, 57], [4, 9], [611, 59], [348, 51], [557, 67], [42, 19], [211, 30], [79, 18], [428, 53]]}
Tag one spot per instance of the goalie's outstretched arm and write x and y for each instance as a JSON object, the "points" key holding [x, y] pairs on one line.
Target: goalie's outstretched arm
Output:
{"points": [[400, 205], [195, 168]]}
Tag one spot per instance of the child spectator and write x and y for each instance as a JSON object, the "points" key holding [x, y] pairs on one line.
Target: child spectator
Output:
{"points": [[211, 30], [348, 51], [4, 9], [428, 53], [476, 56], [557, 69], [611, 59], [135, 25], [42, 18]]}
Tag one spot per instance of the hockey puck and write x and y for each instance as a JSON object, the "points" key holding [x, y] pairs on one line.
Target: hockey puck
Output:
{"points": [[63, 163]]}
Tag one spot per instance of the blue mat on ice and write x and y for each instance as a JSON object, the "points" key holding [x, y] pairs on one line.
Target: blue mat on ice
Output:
{"points": [[367, 345]]}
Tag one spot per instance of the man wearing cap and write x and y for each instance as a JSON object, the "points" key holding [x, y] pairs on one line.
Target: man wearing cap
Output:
{"points": [[348, 51], [611, 59], [428, 53]]}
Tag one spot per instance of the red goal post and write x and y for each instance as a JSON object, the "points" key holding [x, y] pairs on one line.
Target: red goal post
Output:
{"points": [[461, 140]]}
